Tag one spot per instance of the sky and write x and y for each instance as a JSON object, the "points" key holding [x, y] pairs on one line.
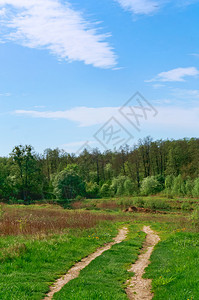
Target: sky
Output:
{"points": [[77, 74]]}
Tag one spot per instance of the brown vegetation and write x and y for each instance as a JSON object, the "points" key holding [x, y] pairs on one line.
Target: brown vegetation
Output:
{"points": [[16, 221]]}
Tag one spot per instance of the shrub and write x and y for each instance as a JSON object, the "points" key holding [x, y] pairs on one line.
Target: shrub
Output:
{"points": [[156, 204], [189, 187], [92, 190], [186, 206], [195, 217], [150, 186], [117, 186], [178, 188], [196, 188], [129, 188], [68, 184], [139, 202], [169, 182], [105, 190]]}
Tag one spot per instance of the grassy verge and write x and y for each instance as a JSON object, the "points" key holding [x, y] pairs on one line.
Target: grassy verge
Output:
{"points": [[104, 278], [30, 265], [174, 265]]}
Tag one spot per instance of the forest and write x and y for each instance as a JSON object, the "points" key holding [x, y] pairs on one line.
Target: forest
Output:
{"points": [[169, 167]]}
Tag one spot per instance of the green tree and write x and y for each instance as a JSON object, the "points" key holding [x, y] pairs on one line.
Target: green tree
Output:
{"points": [[92, 189], [178, 188], [196, 188], [150, 186], [105, 190], [25, 174], [68, 184]]}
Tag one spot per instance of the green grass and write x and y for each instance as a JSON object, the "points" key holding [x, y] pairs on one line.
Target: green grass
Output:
{"points": [[29, 266], [104, 278], [174, 266], [31, 263], [157, 202]]}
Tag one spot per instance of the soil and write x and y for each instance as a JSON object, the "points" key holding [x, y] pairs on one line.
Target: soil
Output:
{"points": [[138, 287], [75, 270]]}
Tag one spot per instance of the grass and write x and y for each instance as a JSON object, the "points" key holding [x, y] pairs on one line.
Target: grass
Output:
{"points": [[158, 202], [104, 278], [174, 263], [17, 220], [38, 244], [31, 263]]}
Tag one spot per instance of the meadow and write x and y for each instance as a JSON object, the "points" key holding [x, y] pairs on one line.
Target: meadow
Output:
{"points": [[40, 243]]}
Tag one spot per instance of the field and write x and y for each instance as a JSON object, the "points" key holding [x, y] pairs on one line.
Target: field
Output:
{"points": [[40, 243]]}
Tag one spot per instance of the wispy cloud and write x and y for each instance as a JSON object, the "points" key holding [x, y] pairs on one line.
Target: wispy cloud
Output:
{"points": [[178, 74], [5, 94], [49, 24], [195, 54], [185, 94], [149, 7], [85, 116], [178, 116], [144, 7]]}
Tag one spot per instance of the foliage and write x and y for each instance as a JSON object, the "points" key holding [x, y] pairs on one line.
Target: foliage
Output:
{"points": [[105, 190], [92, 189], [25, 175], [178, 188], [195, 217], [68, 184], [150, 186], [186, 206], [196, 188]]}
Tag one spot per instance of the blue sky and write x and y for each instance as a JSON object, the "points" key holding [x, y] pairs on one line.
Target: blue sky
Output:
{"points": [[66, 67]]}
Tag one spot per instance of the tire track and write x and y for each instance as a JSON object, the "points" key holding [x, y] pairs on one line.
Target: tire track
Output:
{"points": [[140, 288], [75, 270]]}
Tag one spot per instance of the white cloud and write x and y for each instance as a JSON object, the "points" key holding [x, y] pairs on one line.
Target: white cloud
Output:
{"points": [[149, 7], [158, 85], [48, 24], [85, 116], [175, 75], [185, 94], [2, 12], [195, 54], [5, 94], [169, 116], [139, 6]]}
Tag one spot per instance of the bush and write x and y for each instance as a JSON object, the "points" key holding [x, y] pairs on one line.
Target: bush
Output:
{"points": [[150, 186], [195, 217], [92, 190], [139, 202], [117, 186], [68, 184], [105, 190], [156, 204], [196, 188], [178, 188], [189, 187], [129, 188], [186, 206]]}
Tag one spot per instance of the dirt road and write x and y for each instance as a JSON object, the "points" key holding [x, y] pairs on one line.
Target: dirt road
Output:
{"points": [[75, 270], [140, 288]]}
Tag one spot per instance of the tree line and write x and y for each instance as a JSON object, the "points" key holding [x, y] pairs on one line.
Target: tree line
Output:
{"points": [[150, 167]]}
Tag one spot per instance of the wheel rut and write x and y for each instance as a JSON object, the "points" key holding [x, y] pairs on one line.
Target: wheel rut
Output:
{"points": [[75, 270], [140, 288]]}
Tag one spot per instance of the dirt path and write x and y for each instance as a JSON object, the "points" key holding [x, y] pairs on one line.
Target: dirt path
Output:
{"points": [[140, 288], [75, 270]]}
